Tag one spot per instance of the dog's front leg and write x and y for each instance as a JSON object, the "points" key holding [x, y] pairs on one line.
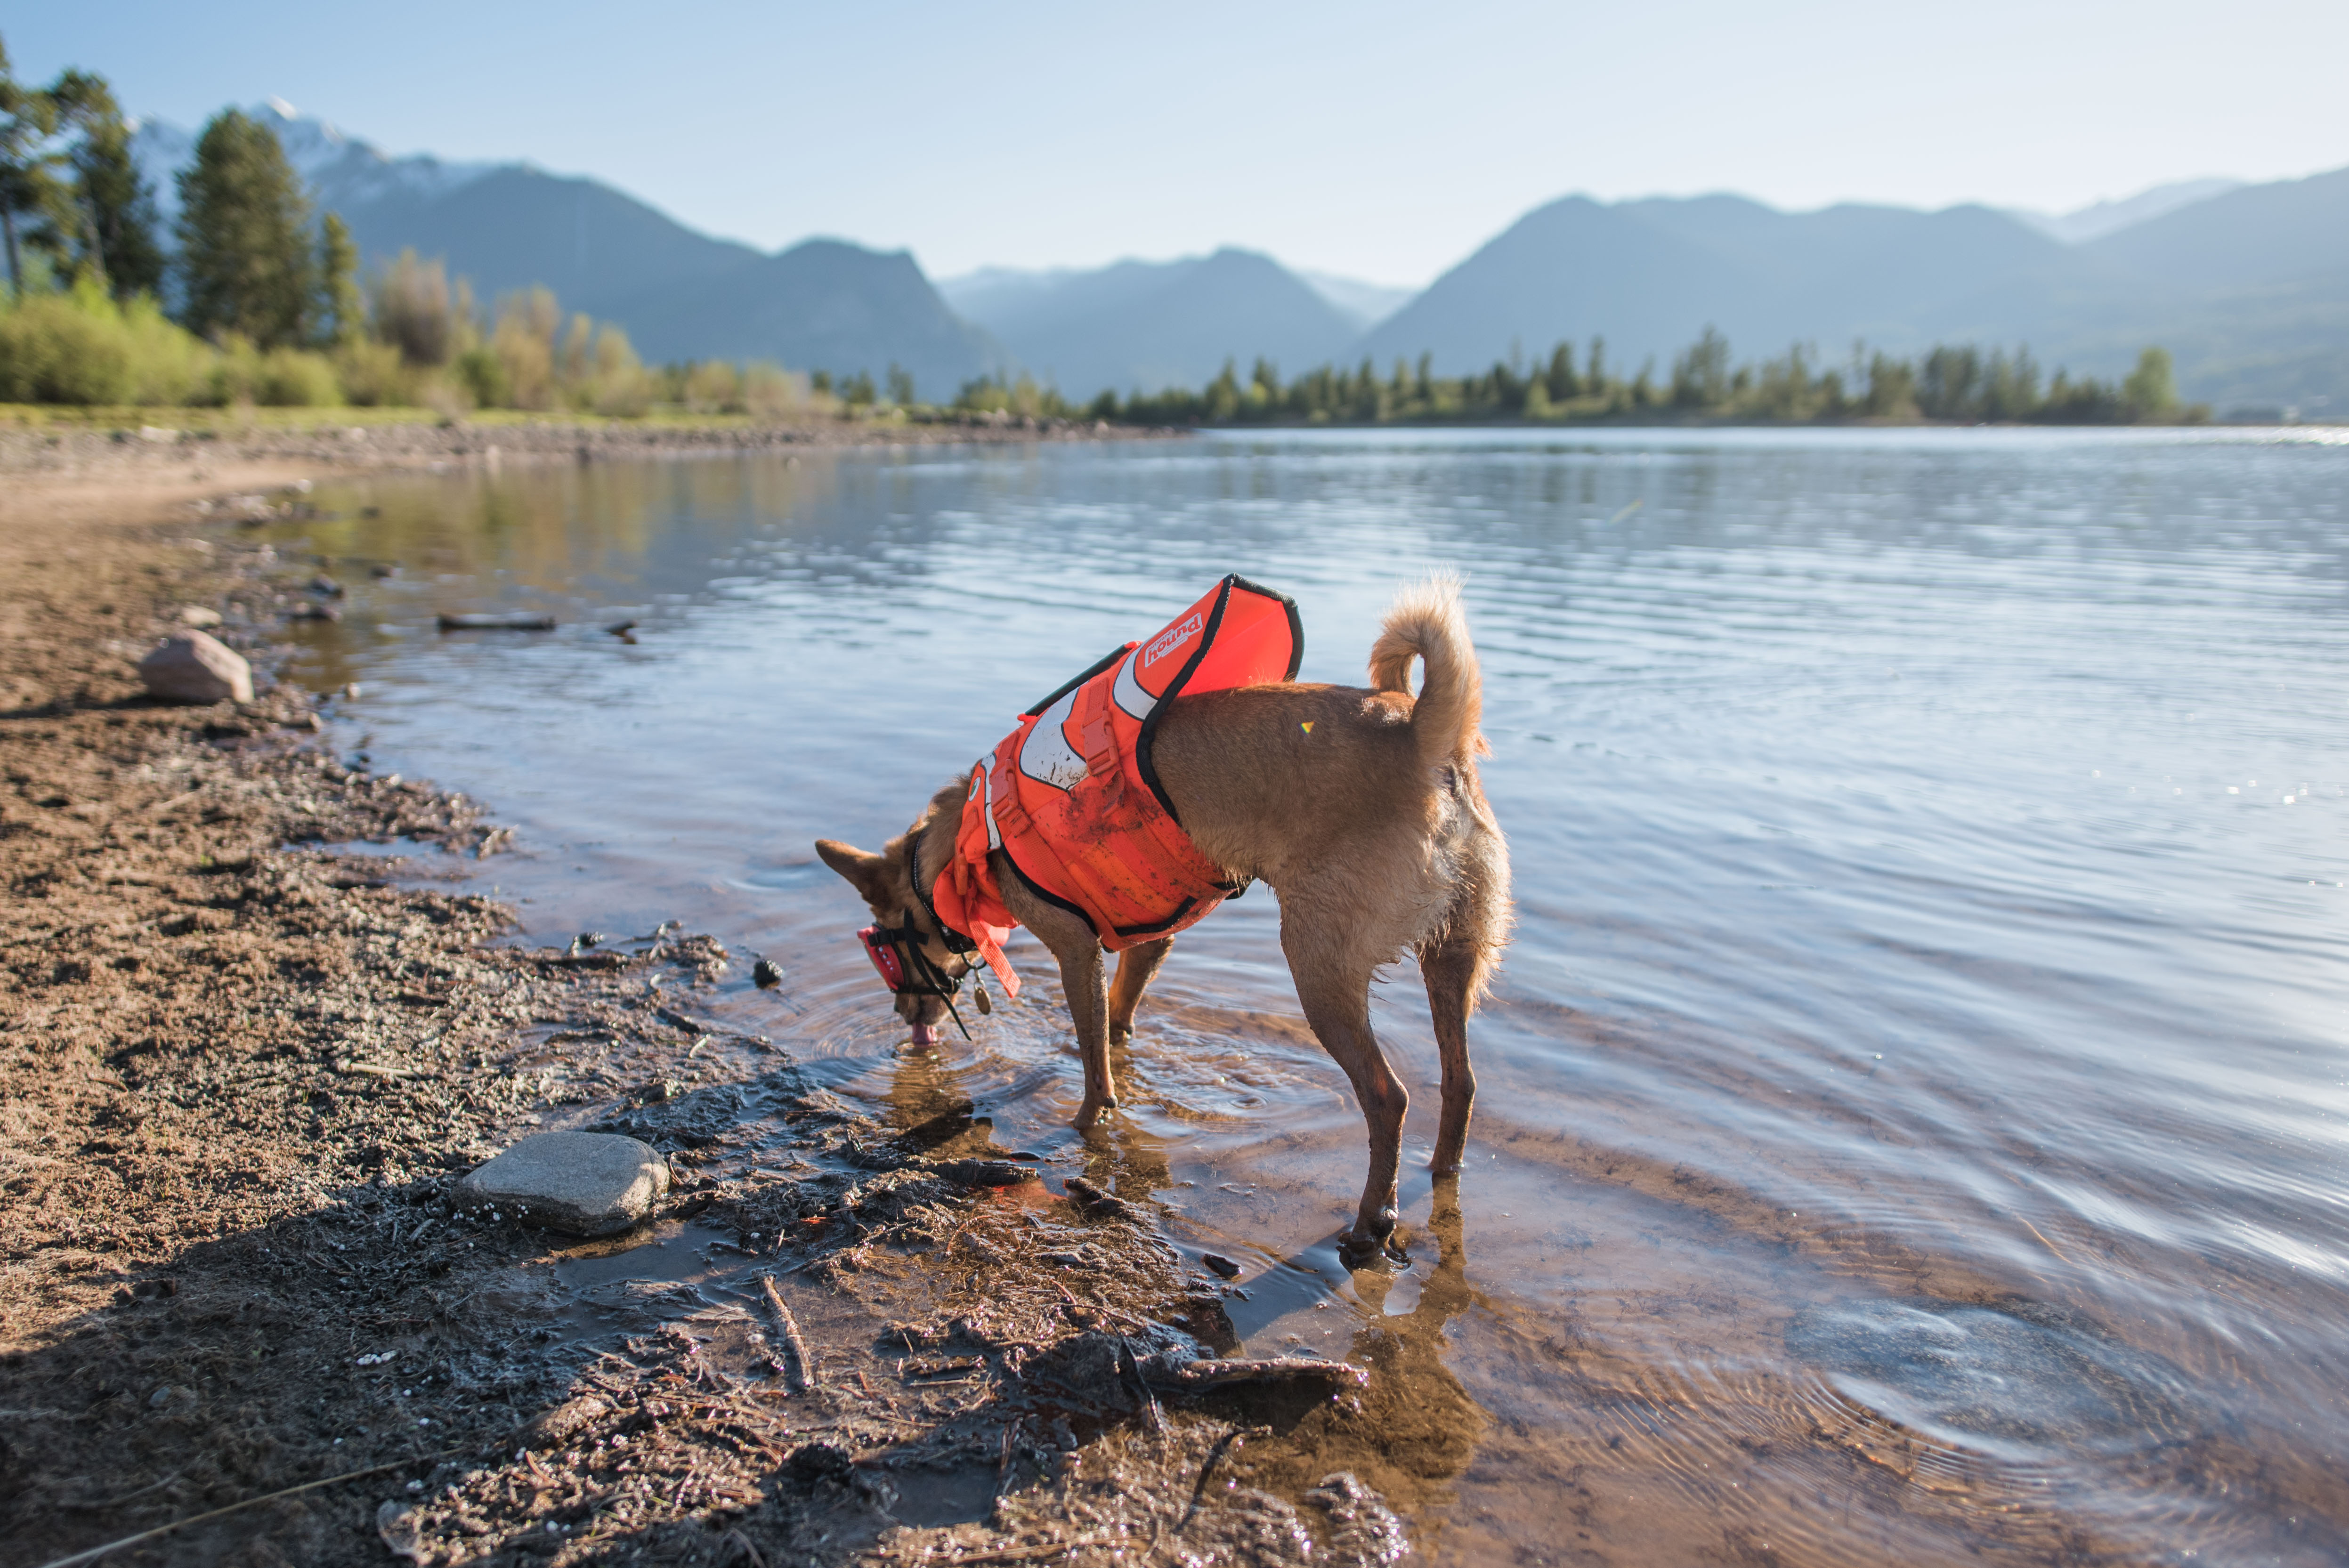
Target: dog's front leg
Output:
{"points": [[1083, 978]]}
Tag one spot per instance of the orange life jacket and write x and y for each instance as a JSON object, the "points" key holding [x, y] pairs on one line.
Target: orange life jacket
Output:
{"points": [[1071, 797]]}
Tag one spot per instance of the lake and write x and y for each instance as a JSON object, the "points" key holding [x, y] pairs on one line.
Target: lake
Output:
{"points": [[1912, 1112]]}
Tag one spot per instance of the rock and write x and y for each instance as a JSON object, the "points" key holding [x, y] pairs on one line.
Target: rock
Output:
{"points": [[314, 612], [765, 975], [190, 666], [1221, 1265], [196, 615], [579, 1183], [326, 586]]}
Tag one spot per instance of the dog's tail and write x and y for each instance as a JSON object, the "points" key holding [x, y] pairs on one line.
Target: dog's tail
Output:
{"points": [[1425, 623]]}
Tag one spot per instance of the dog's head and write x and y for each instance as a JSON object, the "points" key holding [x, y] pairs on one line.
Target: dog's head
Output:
{"points": [[886, 883]]}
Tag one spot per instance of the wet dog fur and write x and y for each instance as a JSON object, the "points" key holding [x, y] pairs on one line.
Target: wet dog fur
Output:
{"points": [[1369, 825]]}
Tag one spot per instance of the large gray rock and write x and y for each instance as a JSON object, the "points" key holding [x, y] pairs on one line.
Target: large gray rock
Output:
{"points": [[190, 666], [579, 1183]]}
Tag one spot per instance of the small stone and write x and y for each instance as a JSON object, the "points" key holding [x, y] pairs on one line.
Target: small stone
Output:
{"points": [[579, 1183], [1221, 1265], [327, 586], [765, 975], [196, 615], [314, 612], [190, 666]]}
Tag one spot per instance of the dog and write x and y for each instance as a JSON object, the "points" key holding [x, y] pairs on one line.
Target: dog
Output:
{"points": [[1376, 838]]}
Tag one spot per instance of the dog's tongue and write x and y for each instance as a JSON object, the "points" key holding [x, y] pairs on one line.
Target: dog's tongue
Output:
{"points": [[924, 1034]]}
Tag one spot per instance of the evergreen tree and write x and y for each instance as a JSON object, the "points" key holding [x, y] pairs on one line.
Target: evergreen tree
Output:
{"points": [[2151, 390], [901, 385], [1701, 372], [340, 312], [28, 186], [114, 236], [244, 251], [1563, 385]]}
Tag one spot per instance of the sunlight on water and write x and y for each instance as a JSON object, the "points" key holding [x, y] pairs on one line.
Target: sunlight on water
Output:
{"points": [[1912, 1114]]}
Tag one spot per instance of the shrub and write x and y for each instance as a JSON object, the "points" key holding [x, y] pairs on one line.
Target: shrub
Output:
{"points": [[413, 311], [712, 386], [772, 392], [82, 348], [372, 374], [235, 373], [296, 378], [483, 375]]}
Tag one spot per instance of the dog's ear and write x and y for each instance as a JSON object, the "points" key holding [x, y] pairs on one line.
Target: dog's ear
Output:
{"points": [[868, 873]]}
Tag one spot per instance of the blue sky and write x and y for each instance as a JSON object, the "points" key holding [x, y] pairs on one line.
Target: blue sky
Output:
{"points": [[1384, 142]]}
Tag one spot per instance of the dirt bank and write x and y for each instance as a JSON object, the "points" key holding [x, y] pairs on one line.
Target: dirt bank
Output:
{"points": [[240, 1072]]}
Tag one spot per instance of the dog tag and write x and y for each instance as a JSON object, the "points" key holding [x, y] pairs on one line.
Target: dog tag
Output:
{"points": [[979, 993]]}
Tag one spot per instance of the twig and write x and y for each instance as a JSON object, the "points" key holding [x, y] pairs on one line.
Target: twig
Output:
{"points": [[1199, 1491], [93, 1553], [2043, 1241], [99, 1504], [799, 1368]]}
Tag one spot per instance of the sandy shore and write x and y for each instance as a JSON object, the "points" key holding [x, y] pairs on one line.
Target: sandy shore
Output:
{"points": [[240, 1074]]}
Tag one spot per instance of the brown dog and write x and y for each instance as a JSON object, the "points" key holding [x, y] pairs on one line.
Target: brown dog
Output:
{"points": [[1376, 837]]}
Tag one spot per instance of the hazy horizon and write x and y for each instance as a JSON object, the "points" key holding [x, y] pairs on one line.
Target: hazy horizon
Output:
{"points": [[1373, 143]]}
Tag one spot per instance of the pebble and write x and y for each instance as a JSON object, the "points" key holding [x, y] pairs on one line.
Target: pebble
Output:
{"points": [[579, 1183], [190, 666], [198, 616]]}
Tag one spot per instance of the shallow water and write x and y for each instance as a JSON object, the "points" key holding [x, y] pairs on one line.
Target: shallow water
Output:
{"points": [[1912, 1113]]}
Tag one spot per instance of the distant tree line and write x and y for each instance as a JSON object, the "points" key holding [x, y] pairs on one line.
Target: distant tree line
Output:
{"points": [[1947, 383]]}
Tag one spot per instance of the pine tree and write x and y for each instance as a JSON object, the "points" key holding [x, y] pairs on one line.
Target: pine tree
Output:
{"points": [[1564, 385], [244, 251], [340, 311], [28, 187], [114, 236]]}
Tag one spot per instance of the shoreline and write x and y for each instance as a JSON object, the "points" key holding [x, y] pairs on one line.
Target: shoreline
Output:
{"points": [[173, 458], [240, 1074]]}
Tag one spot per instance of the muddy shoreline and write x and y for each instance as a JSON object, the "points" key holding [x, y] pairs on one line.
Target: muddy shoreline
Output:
{"points": [[239, 1073]]}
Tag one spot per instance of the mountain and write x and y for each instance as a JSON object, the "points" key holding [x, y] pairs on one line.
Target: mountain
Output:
{"points": [[1151, 325], [340, 169], [821, 304], [1650, 274], [2095, 221], [2252, 236], [1364, 304], [2248, 287]]}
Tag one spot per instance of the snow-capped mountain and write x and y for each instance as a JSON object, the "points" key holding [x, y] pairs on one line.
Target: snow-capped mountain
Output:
{"points": [[341, 170]]}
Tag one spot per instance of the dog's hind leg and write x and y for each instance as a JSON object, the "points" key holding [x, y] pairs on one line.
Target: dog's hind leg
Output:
{"points": [[1137, 967], [1337, 1001], [1450, 971]]}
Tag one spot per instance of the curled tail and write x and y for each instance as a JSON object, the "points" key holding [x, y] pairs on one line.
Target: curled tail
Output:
{"points": [[1424, 622]]}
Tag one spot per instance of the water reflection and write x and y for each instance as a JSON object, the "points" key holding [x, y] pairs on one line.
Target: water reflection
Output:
{"points": [[1930, 857]]}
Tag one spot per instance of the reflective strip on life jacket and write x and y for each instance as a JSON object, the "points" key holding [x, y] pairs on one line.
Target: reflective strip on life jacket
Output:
{"points": [[1069, 795]]}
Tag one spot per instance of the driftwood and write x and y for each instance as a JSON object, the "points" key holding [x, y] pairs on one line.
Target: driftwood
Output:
{"points": [[981, 1172], [799, 1368], [1195, 1377], [1098, 1204], [498, 621]]}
